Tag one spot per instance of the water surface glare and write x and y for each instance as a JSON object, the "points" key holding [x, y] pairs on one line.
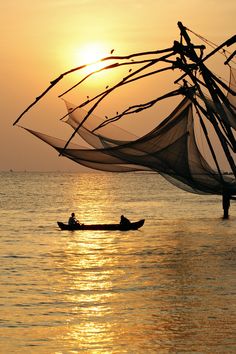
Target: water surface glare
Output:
{"points": [[167, 288]]}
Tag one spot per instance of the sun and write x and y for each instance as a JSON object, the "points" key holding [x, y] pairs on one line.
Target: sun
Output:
{"points": [[91, 53]]}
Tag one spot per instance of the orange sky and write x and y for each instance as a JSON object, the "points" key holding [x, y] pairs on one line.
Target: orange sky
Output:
{"points": [[41, 39]]}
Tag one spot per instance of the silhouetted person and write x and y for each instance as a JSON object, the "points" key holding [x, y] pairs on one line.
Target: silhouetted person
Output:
{"points": [[72, 220], [124, 221]]}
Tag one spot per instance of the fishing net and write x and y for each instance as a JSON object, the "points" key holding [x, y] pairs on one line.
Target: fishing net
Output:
{"points": [[170, 149]]}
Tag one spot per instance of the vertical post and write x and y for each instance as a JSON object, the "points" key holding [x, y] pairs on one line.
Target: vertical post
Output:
{"points": [[192, 55], [226, 204]]}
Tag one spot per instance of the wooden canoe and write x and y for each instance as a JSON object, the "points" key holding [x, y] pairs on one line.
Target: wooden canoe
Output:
{"points": [[132, 226]]}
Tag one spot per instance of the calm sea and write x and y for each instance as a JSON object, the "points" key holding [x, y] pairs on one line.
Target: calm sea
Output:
{"points": [[169, 287]]}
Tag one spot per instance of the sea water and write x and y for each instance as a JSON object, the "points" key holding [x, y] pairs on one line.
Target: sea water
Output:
{"points": [[167, 288]]}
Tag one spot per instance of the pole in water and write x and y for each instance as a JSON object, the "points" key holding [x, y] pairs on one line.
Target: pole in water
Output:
{"points": [[226, 204]]}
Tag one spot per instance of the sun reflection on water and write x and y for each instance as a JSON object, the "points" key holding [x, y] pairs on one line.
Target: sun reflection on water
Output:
{"points": [[90, 292], [94, 199]]}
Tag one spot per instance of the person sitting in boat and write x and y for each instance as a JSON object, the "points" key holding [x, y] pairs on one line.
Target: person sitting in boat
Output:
{"points": [[72, 220], [124, 221]]}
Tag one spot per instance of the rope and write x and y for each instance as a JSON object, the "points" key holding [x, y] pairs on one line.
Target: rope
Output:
{"points": [[212, 45]]}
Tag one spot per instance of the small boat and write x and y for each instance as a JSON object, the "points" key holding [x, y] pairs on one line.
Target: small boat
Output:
{"points": [[132, 226]]}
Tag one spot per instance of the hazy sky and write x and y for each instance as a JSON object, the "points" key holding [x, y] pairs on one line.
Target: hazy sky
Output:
{"points": [[41, 39]]}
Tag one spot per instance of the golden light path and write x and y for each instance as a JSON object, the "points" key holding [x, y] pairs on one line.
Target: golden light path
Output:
{"points": [[90, 273]]}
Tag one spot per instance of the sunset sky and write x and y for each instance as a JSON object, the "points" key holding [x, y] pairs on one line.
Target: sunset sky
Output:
{"points": [[41, 39]]}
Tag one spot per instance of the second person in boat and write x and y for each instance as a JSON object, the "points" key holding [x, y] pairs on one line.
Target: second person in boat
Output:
{"points": [[124, 221]]}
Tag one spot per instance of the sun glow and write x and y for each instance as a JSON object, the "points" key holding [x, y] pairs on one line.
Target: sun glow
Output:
{"points": [[90, 54]]}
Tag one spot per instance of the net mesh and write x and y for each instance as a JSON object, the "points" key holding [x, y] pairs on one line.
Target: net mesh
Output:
{"points": [[170, 149]]}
